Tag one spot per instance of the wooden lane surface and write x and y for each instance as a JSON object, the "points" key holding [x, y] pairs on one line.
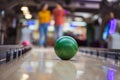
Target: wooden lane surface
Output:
{"points": [[43, 64]]}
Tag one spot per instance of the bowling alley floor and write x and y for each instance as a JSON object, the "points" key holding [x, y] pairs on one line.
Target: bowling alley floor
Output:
{"points": [[43, 64]]}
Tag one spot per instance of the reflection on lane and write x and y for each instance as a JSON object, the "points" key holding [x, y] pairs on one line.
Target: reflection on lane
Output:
{"points": [[64, 70]]}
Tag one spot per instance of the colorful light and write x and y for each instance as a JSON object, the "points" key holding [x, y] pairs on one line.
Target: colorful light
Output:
{"points": [[112, 24], [110, 28], [106, 32], [111, 74]]}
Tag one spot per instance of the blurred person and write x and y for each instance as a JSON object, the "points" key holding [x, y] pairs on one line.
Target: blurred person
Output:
{"points": [[19, 27], [58, 15], [90, 33], [11, 35], [114, 33], [44, 20], [97, 30], [26, 34], [113, 40]]}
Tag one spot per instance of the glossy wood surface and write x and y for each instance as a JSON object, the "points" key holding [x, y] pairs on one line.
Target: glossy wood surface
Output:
{"points": [[43, 64]]}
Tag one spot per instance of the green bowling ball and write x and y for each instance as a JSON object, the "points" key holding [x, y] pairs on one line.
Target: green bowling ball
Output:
{"points": [[66, 47]]}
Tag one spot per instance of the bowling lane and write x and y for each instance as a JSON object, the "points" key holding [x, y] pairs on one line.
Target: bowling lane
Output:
{"points": [[43, 64]]}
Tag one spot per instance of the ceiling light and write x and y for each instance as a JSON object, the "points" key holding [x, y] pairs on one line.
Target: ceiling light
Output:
{"points": [[24, 8], [26, 12], [111, 0], [28, 16]]}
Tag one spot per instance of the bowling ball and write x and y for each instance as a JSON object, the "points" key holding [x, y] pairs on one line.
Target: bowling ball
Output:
{"points": [[25, 43], [65, 47]]}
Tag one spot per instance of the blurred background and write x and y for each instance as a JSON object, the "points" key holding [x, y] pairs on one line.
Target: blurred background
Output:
{"points": [[92, 23]]}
